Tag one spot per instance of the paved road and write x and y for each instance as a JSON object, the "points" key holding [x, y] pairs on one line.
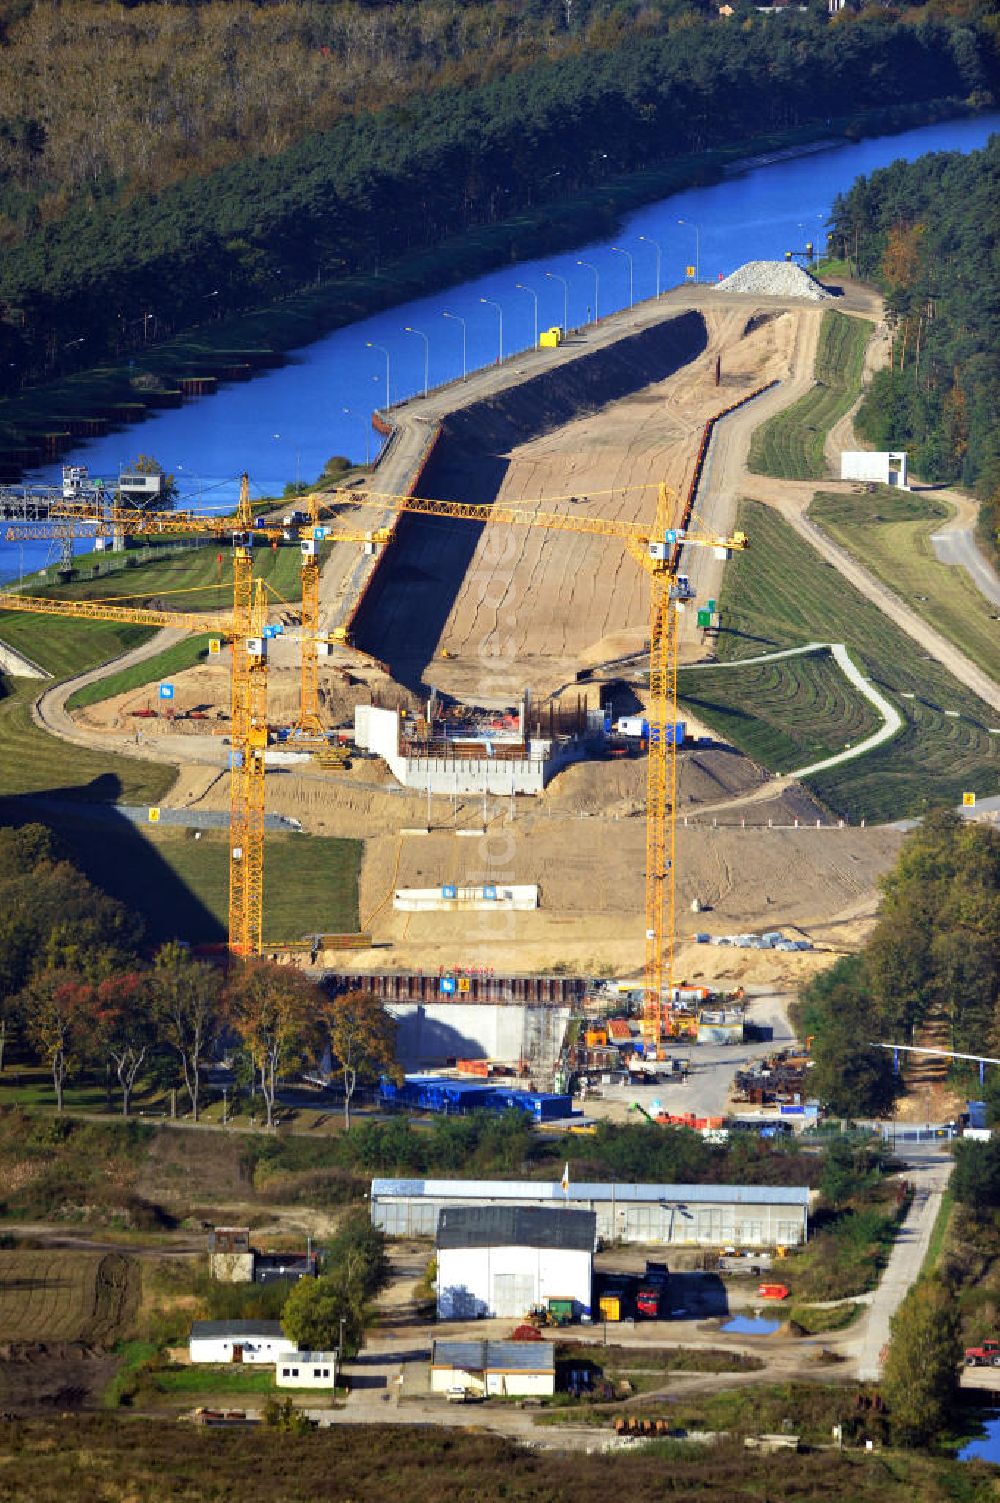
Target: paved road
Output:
{"points": [[955, 543], [930, 1176]]}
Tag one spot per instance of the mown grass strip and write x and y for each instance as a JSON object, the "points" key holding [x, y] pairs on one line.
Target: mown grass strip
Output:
{"points": [[790, 445], [185, 654], [782, 594], [890, 533], [784, 714]]}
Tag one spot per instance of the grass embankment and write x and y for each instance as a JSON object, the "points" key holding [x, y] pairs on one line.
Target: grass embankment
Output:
{"points": [[889, 532], [803, 708], [790, 445], [781, 594], [186, 654], [33, 762]]}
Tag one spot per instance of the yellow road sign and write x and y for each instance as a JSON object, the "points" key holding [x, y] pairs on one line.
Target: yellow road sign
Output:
{"points": [[969, 800], [154, 816], [214, 647], [463, 984], [690, 271]]}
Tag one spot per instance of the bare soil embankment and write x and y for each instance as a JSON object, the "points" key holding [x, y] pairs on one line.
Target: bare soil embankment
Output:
{"points": [[408, 604]]}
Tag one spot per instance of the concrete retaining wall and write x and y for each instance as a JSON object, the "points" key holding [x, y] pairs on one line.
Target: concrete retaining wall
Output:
{"points": [[432, 1033]]}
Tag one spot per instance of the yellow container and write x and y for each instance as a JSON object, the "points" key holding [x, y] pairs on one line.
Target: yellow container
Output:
{"points": [[549, 338], [611, 1307]]}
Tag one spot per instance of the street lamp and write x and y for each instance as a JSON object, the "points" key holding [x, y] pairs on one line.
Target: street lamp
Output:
{"points": [[497, 306], [521, 288], [385, 352], [659, 258], [597, 288], [427, 352], [457, 320], [697, 246], [364, 424], [554, 276], [627, 254]]}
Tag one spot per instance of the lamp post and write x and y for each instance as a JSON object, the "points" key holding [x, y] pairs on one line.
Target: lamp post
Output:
{"points": [[427, 352], [364, 424], [497, 306], [554, 276], [521, 288], [385, 352], [697, 246], [659, 258], [597, 288], [458, 320], [628, 256]]}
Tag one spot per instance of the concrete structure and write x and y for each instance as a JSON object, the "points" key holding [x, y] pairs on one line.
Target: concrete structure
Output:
{"points": [[495, 769], [678, 1215], [499, 1261], [258, 1343], [487, 897], [884, 467], [307, 1370], [230, 1256], [508, 1369], [434, 1034]]}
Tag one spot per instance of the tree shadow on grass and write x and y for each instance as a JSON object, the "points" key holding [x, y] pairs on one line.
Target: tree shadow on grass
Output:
{"points": [[92, 833]]}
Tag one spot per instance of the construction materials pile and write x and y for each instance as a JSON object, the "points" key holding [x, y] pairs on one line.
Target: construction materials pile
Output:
{"points": [[774, 279]]}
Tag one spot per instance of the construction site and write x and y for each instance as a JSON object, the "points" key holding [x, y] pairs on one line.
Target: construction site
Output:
{"points": [[481, 683]]}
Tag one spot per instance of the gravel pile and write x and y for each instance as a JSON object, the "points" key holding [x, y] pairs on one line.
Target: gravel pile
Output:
{"points": [[774, 279]]}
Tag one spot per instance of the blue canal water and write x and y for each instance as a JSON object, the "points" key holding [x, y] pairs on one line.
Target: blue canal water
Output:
{"points": [[285, 424]]}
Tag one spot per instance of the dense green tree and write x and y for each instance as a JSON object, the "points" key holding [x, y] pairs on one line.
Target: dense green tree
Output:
{"points": [[920, 1379], [976, 1178]]}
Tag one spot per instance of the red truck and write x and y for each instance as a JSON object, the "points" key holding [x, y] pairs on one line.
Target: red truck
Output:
{"points": [[987, 1355], [651, 1302]]}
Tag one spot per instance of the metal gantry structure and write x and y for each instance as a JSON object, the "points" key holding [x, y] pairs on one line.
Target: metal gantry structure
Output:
{"points": [[656, 547]]}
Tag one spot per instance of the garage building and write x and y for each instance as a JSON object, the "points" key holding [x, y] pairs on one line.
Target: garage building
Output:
{"points": [[507, 1369], [499, 1261], [669, 1215]]}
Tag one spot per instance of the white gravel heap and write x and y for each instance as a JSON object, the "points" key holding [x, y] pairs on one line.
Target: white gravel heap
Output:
{"points": [[774, 279]]}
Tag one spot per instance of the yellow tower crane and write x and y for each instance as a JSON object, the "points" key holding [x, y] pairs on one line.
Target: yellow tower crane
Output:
{"points": [[249, 721], [656, 548]]}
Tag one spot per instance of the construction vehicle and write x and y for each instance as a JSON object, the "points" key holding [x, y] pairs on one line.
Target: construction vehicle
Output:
{"points": [[652, 1297], [986, 1355], [657, 548]]}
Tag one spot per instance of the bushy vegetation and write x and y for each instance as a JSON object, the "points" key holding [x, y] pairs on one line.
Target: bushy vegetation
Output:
{"points": [[790, 444], [934, 955], [926, 231], [44, 1460]]}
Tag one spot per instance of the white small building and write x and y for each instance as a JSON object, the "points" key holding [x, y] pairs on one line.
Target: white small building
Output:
{"points": [[881, 467], [259, 1343], [307, 1370], [505, 1369], [499, 1261]]}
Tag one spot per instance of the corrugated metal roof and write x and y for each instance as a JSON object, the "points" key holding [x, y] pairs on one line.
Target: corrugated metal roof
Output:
{"points": [[205, 1330], [619, 1028], [543, 1192], [493, 1356], [516, 1226]]}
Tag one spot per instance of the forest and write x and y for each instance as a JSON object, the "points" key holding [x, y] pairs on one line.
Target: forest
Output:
{"points": [[928, 233], [101, 241], [932, 964]]}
